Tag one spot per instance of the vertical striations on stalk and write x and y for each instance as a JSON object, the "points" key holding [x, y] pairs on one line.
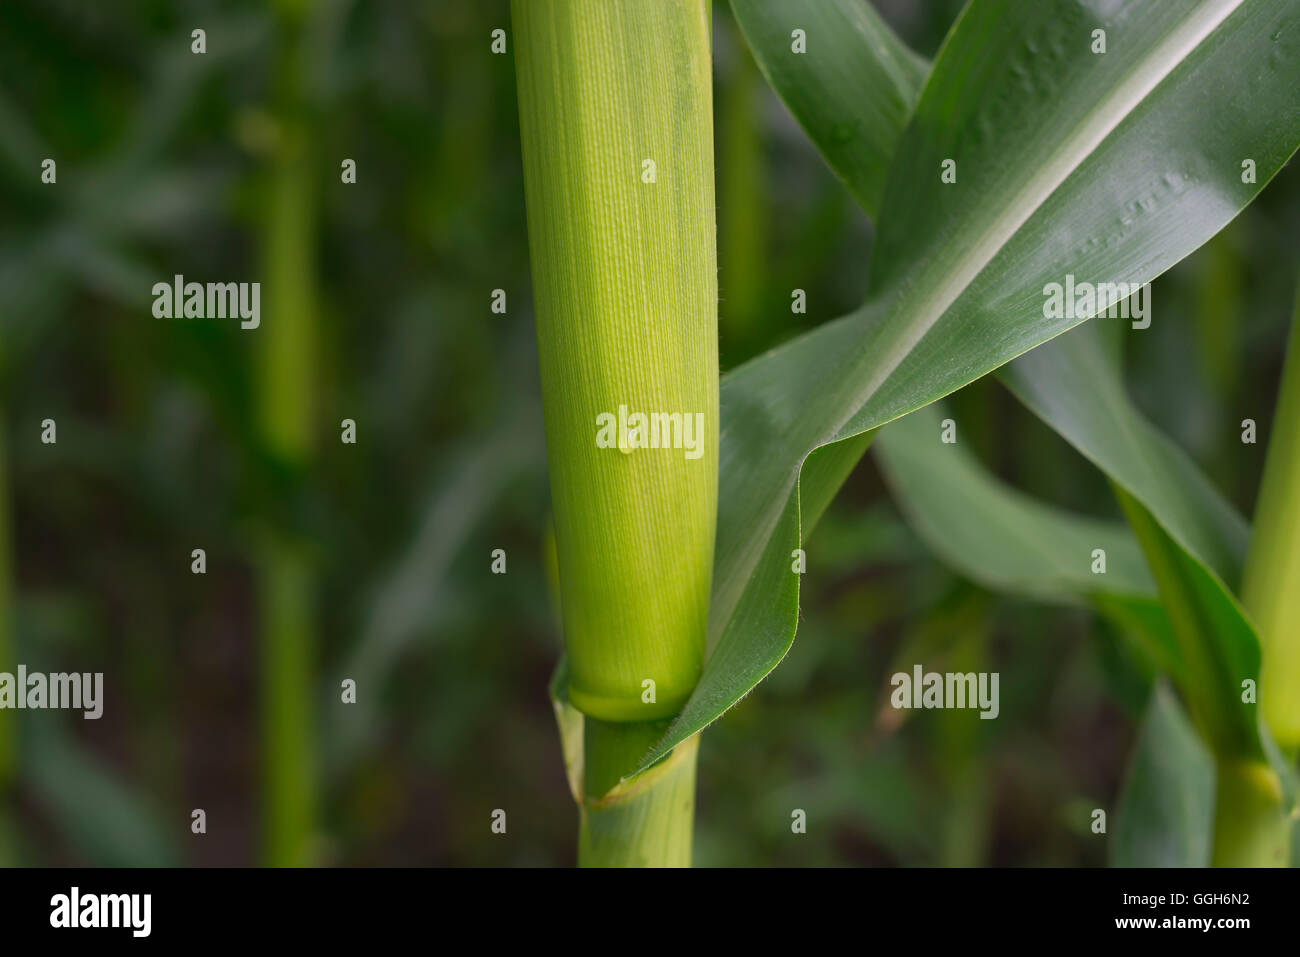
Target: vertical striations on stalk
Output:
{"points": [[615, 107], [616, 122]]}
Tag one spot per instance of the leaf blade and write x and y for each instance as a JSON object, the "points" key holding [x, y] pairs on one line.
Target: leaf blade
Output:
{"points": [[922, 334], [1076, 389], [1010, 542], [1195, 542], [994, 534], [1218, 643], [854, 107]]}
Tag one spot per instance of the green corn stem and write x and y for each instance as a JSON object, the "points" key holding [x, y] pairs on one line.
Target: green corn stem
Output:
{"points": [[1271, 582], [645, 821], [1251, 827], [625, 292], [287, 357]]}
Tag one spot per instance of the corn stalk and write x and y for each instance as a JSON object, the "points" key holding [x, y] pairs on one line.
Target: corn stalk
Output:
{"points": [[615, 106], [1271, 584]]}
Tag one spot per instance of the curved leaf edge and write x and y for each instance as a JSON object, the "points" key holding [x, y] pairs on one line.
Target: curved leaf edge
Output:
{"points": [[681, 728]]}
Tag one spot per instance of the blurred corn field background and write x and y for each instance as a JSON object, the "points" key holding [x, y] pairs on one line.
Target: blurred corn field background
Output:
{"points": [[328, 561]]}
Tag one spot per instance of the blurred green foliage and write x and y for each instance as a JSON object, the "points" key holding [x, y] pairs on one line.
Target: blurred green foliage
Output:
{"points": [[164, 159]]}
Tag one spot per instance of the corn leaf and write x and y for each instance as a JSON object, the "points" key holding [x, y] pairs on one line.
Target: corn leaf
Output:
{"points": [[1165, 815], [1111, 167], [852, 106], [1009, 542], [1075, 387], [1057, 380], [1217, 642], [994, 534], [1193, 539]]}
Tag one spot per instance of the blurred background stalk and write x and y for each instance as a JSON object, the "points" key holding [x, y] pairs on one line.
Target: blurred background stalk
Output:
{"points": [[742, 200], [286, 387], [962, 762], [8, 663], [288, 743]]}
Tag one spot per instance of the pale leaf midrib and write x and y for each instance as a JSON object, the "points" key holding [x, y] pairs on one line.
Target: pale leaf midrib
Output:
{"points": [[1098, 124]]}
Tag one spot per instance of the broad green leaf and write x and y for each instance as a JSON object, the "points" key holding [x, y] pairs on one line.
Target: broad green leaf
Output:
{"points": [[1108, 167], [1210, 522], [1075, 387], [1193, 539], [1165, 816], [1010, 542], [852, 106], [994, 534], [1160, 474]]}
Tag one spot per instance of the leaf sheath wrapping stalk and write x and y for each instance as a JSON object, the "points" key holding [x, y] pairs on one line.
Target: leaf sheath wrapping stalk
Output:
{"points": [[1251, 826], [615, 108], [647, 821]]}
